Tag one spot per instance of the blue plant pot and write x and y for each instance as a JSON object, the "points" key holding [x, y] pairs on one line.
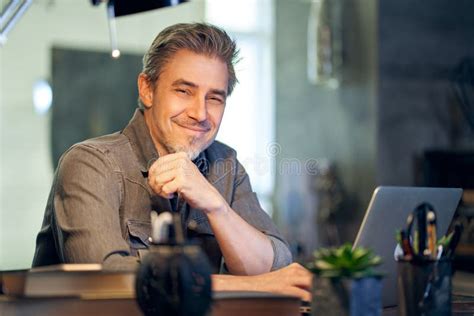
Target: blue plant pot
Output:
{"points": [[347, 297], [366, 297]]}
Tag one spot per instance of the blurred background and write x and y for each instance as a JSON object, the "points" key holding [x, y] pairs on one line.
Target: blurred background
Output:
{"points": [[335, 98]]}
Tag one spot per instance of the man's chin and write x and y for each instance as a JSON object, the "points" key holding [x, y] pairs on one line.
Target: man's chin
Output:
{"points": [[192, 150], [192, 153]]}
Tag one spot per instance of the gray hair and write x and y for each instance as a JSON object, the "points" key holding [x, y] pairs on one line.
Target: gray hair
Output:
{"points": [[200, 38]]}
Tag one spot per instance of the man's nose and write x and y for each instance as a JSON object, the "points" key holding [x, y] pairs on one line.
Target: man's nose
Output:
{"points": [[198, 109]]}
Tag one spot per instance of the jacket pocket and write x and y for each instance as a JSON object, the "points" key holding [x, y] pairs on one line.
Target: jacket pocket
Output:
{"points": [[138, 235]]}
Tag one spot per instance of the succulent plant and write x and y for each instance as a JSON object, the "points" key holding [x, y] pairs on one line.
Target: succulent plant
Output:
{"points": [[345, 262]]}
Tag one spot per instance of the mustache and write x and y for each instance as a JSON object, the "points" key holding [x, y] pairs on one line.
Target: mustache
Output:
{"points": [[189, 122]]}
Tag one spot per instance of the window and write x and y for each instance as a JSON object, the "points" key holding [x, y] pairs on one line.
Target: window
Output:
{"points": [[248, 124]]}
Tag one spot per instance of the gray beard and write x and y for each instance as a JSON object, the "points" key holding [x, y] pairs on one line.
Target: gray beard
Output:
{"points": [[192, 153]]}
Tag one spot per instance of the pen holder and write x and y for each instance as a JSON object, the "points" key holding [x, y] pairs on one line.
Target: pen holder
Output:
{"points": [[424, 287]]}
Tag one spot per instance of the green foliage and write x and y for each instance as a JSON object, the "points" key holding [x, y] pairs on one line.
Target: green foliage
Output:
{"points": [[344, 262]]}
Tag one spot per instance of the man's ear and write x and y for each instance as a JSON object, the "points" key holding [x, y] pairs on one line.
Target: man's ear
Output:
{"points": [[145, 90]]}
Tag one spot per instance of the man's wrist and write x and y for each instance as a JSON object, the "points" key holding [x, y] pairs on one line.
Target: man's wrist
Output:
{"points": [[220, 208]]}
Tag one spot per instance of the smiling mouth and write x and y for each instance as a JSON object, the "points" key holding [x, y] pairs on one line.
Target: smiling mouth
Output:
{"points": [[194, 128]]}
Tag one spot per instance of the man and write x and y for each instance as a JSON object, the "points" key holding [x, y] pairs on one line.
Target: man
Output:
{"points": [[166, 159]]}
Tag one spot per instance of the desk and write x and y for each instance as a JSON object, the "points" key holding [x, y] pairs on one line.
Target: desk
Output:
{"points": [[225, 304]]}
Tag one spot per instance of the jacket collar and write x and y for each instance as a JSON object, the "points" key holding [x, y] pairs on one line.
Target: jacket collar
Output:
{"points": [[140, 139]]}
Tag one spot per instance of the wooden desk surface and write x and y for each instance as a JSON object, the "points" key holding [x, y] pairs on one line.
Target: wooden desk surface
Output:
{"points": [[225, 304], [230, 306]]}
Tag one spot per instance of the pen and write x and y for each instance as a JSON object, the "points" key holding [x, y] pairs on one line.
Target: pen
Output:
{"points": [[431, 230], [416, 237], [445, 240], [421, 225], [405, 244]]}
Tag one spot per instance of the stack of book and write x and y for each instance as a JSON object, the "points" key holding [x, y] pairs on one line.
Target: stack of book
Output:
{"points": [[68, 280]]}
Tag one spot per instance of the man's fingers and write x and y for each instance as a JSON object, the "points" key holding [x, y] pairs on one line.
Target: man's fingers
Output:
{"points": [[170, 158], [303, 294], [163, 178], [158, 182], [163, 165], [160, 166], [169, 189], [166, 187], [303, 282]]}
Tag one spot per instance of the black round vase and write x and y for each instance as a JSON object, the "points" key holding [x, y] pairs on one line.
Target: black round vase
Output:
{"points": [[174, 280]]}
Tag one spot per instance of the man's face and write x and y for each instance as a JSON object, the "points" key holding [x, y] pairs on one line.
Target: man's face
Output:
{"points": [[184, 109]]}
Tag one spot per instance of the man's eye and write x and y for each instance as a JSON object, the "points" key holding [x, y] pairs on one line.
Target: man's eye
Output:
{"points": [[182, 91], [216, 100]]}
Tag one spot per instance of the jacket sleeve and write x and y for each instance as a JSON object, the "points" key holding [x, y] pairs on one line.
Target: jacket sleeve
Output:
{"points": [[245, 203], [87, 196]]}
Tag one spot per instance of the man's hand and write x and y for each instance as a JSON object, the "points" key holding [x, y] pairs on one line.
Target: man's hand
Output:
{"points": [[292, 280], [176, 173]]}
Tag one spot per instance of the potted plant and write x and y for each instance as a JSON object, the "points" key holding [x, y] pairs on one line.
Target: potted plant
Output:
{"points": [[346, 282]]}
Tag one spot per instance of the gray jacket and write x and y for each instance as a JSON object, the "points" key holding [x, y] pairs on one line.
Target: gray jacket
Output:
{"points": [[99, 207]]}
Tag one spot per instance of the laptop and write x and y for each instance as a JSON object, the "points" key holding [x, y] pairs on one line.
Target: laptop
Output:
{"points": [[387, 212]]}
